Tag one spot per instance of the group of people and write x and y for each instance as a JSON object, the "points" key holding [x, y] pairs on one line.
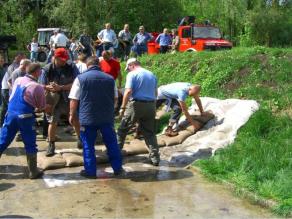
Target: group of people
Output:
{"points": [[122, 45], [89, 99]]}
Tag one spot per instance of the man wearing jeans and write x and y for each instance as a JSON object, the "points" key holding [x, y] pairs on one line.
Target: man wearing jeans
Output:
{"points": [[174, 96], [140, 41], [92, 96], [139, 106]]}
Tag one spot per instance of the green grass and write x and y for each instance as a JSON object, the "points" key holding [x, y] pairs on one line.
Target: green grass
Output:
{"points": [[260, 160]]}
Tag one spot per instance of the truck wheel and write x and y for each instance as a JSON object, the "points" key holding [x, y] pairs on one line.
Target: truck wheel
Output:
{"points": [[42, 57]]}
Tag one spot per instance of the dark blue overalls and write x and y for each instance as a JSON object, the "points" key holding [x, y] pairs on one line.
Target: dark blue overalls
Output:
{"points": [[19, 117]]}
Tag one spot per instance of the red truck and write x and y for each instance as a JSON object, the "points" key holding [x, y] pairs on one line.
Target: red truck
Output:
{"points": [[196, 37]]}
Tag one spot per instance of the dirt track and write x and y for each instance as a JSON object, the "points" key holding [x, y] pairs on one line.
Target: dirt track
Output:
{"points": [[144, 192]]}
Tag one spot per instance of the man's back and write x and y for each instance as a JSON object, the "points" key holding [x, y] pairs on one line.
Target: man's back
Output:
{"points": [[178, 90], [96, 97], [143, 84], [61, 40]]}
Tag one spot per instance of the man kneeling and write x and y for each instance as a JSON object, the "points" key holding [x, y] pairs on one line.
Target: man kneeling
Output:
{"points": [[174, 96]]}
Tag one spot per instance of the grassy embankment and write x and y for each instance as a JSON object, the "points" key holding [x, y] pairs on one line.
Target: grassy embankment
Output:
{"points": [[260, 160]]}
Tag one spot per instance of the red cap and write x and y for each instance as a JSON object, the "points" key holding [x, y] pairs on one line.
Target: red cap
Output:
{"points": [[62, 54]]}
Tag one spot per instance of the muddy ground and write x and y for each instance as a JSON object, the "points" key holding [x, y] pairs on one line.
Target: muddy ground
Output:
{"points": [[144, 191]]}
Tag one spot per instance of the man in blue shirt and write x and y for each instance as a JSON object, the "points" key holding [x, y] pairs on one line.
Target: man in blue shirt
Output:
{"points": [[164, 40], [174, 96], [92, 96], [139, 106], [140, 41]]}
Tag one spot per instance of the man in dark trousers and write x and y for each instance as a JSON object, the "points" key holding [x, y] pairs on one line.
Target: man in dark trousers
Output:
{"points": [[27, 95], [139, 105], [92, 96]]}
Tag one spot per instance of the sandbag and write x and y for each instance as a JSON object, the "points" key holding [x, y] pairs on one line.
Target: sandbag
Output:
{"points": [[160, 141], [73, 159], [169, 141], [202, 120], [135, 146], [101, 157], [49, 163]]}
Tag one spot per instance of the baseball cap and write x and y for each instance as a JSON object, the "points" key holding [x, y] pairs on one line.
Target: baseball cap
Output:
{"points": [[62, 54], [130, 60]]}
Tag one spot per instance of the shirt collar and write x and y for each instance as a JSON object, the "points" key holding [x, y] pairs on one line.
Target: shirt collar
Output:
{"points": [[31, 77]]}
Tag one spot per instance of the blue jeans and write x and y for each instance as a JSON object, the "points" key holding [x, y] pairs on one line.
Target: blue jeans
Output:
{"points": [[88, 136], [140, 49], [174, 106], [33, 56]]}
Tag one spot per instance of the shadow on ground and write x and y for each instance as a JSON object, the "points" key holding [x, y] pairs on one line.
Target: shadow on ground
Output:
{"points": [[6, 186], [12, 172]]}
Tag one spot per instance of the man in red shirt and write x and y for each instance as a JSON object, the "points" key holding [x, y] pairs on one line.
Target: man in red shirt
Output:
{"points": [[111, 66]]}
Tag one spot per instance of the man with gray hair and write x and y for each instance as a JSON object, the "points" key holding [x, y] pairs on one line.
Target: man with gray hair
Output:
{"points": [[107, 37], [19, 72], [5, 86], [174, 96]]}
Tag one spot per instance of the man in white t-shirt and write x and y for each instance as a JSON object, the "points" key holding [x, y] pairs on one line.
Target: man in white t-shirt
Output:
{"points": [[107, 37], [61, 40], [52, 44]]}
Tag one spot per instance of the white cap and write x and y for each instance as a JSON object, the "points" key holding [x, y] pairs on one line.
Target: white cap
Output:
{"points": [[130, 60]]}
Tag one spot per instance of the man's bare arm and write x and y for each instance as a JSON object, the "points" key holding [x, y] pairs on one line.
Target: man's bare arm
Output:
{"points": [[73, 111], [199, 104], [187, 114]]}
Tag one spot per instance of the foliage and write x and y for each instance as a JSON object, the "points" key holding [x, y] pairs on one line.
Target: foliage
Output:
{"points": [[244, 22], [260, 159], [100, 12]]}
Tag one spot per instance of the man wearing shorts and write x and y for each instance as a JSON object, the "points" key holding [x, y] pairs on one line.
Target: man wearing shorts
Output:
{"points": [[57, 78]]}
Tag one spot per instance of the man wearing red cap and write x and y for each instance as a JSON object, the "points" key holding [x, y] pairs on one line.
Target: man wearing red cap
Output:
{"points": [[57, 78]]}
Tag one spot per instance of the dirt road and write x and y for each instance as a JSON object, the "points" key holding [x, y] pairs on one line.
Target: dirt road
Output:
{"points": [[144, 192]]}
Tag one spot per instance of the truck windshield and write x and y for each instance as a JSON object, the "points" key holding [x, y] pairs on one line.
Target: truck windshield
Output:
{"points": [[206, 32], [44, 37]]}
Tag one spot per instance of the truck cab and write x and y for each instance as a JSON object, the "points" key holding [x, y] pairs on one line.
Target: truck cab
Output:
{"points": [[196, 37], [201, 37]]}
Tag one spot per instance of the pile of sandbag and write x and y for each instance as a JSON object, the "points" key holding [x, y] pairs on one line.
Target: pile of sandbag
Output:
{"points": [[73, 157]]}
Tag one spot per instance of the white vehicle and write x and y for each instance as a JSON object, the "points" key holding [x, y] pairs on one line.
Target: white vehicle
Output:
{"points": [[44, 35]]}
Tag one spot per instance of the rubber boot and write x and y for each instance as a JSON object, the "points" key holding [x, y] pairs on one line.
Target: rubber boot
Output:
{"points": [[51, 149], [33, 171]]}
